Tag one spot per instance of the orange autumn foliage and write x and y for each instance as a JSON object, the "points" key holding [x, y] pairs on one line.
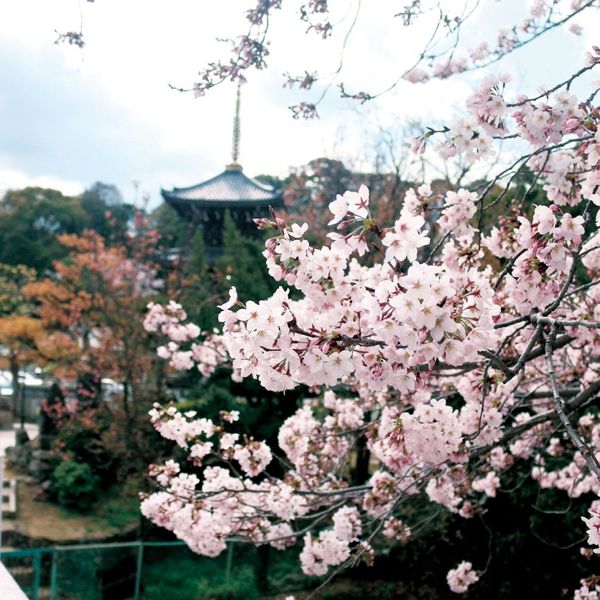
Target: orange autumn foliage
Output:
{"points": [[98, 297]]}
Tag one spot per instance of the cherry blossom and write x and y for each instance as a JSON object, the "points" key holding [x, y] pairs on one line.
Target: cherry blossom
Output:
{"points": [[448, 350], [462, 577]]}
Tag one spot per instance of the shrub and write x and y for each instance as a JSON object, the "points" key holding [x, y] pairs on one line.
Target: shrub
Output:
{"points": [[75, 485]]}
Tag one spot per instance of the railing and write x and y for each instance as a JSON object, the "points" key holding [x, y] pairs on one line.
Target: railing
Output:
{"points": [[30, 566], [151, 570]]}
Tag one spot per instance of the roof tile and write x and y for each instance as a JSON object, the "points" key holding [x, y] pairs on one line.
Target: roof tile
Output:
{"points": [[230, 186]]}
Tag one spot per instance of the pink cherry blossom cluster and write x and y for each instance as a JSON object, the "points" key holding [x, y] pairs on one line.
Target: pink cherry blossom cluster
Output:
{"points": [[205, 512], [593, 525], [169, 321], [544, 248], [441, 57], [332, 546], [459, 208], [572, 478], [446, 351], [395, 529], [542, 17], [373, 323], [432, 432], [461, 578], [588, 590]]}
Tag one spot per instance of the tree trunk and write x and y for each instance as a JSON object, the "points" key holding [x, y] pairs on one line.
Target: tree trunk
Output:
{"points": [[360, 473], [16, 384], [262, 571]]}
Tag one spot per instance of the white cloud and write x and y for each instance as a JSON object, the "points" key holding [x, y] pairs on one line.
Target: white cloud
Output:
{"points": [[13, 179], [119, 120]]}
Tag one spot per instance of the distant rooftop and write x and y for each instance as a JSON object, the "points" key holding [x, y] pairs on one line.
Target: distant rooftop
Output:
{"points": [[228, 189], [231, 189]]}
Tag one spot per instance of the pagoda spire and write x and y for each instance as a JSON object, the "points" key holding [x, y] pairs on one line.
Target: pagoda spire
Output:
{"points": [[235, 147]]}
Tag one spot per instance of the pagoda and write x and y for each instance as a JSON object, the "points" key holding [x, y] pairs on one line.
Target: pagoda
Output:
{"points": [[206, 203]]}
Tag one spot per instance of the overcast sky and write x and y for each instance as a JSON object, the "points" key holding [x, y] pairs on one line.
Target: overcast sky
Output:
{"points": [[69, 117]]}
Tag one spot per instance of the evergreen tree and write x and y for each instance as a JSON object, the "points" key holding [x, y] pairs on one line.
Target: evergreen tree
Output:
{"points": [[175, 232], [201, 292], [243, 265]]}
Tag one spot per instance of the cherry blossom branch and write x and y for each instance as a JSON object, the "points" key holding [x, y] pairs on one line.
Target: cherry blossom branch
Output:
{"points": [[566, 83], [590, 457]]}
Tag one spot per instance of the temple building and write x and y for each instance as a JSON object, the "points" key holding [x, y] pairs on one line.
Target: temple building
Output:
{"points": [[206, 203]]}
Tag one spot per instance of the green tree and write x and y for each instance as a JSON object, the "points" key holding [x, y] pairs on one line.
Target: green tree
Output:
{"points": [[174, 231], [243, 264], [200, 287], [106, 212], [13, 279], [30, 220], [206, 285]]}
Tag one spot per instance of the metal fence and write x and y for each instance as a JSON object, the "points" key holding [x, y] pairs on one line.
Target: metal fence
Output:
{"points": [[89, 572], [148, 571]]}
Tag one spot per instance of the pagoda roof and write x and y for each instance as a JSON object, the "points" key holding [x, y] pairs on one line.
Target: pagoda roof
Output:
{"points": [[228, 189]]}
